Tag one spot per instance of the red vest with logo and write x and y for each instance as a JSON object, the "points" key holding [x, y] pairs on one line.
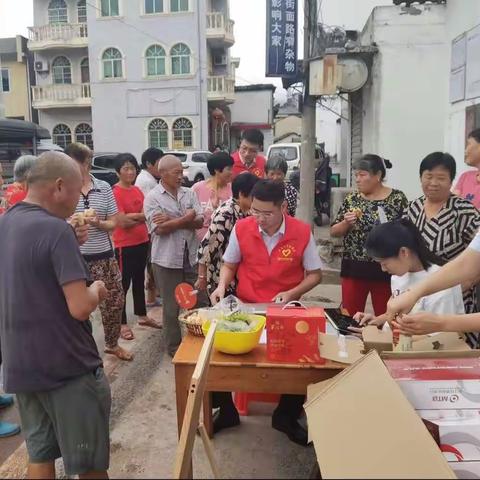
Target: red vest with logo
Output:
{"points": [[262, 276]]}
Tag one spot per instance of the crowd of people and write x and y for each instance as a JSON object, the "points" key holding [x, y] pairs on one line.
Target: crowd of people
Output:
{"points": [[70, 243]]}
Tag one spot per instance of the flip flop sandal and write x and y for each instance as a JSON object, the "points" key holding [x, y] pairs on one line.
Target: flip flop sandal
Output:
{"points": [[120, 354], [150, 323], [127, 334], [8, 429]]}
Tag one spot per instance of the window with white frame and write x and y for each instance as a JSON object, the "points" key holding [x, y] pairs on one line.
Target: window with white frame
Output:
{"points": [[5, 74], [155, 58], [182, 133], [112, 63], [85, 71], [84, 134], [109, 8], [180, 55], [179, 5], [82, 11], [158, 133], [62, 135], [153, 6], [62, 71], [57, 12]]}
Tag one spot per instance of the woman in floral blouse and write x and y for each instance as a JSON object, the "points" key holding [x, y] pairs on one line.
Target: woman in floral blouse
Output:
{"points": [[276, 169], [216, 239], [372, 203]]}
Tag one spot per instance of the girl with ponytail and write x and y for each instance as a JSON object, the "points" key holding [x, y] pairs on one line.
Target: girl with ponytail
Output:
{"points": [[399, 248]]}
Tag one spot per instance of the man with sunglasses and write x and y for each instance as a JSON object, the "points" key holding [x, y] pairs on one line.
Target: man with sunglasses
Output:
{"points": [[274, 258], [247, 158]]}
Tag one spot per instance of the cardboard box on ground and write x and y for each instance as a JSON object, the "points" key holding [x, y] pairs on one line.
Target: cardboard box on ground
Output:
{"points": [[376, 432]]}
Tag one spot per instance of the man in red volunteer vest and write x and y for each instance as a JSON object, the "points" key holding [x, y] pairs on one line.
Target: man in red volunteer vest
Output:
{"points": [[274, 258], [247, 158]]}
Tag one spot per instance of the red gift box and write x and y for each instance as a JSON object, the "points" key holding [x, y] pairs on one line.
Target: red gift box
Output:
{"points": [[292, 333]]}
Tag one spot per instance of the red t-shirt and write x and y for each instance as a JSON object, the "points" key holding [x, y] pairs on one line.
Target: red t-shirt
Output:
{"points": [[14, 194], [129, 200], [257, 167]]}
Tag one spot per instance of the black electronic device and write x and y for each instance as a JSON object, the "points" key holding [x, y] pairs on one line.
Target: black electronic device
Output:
{"points": [[341, 322]]}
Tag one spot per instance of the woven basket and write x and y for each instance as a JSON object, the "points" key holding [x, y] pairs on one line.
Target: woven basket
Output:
{"points": [[192, 327]]}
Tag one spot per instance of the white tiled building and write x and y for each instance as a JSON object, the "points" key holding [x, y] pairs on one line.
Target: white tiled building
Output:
{"points": [[128, 74]]}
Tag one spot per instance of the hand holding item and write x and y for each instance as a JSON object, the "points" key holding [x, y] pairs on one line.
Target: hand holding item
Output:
{"points": [[419, 323], [363, 318], [90, 216], [191, 214], [81, 232], [101, 290], [351, 218], [218, 295], [201, 284], [284, 297], [401, 304]]}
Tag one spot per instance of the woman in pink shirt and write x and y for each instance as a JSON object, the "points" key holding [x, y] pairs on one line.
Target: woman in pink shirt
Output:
{"points": [[217, 189], [468, 185]]}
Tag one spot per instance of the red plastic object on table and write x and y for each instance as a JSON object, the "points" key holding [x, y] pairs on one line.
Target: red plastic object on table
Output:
{"points": [[292, 333], [242, 399]]}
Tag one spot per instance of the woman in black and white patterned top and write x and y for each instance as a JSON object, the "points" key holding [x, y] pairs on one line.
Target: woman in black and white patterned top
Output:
{"points": [[216, 239], [276, 169], [447, 223]]}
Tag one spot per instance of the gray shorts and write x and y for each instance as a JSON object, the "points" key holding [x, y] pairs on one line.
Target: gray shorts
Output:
{"points": [[71, 422]]}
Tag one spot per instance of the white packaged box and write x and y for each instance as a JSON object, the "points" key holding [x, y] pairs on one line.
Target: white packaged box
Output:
{"points": [[465, 469], [457, 432]]}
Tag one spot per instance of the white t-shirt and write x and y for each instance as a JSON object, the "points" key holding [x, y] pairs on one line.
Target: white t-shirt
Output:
{"points": [[449, 301], [146, 182]]}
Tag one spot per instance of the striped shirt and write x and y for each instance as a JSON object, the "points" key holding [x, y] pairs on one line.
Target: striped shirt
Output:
{"points": [[101, 199]]}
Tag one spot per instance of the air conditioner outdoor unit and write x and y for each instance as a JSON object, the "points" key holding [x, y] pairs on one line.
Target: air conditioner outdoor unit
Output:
{"points": [[220, 59], [41, 66]]}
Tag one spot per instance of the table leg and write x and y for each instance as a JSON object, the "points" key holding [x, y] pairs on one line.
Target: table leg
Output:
{"points": [[207, 413], [182, 384]]}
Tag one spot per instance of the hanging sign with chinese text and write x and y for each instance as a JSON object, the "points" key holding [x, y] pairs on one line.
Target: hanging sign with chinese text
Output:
{"points": [[281, 38]]}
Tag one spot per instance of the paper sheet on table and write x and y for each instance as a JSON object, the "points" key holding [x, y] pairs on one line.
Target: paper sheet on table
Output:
{"points": [[263, 337]]}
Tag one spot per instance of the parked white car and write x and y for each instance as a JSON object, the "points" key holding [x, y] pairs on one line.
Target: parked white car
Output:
{"points": [[292, 154], [194, 165]]}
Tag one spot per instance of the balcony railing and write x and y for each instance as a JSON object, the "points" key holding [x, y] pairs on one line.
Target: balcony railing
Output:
{"points": [[221, 88], [62, 35], [61, 96], [220, 28]]}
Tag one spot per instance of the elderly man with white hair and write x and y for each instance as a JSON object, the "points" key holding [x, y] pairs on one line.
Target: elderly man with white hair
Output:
{"points": [[173, 215], [17, 191]]}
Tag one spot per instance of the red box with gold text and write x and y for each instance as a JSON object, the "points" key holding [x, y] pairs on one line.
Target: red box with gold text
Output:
{"points": [[292, 333]]}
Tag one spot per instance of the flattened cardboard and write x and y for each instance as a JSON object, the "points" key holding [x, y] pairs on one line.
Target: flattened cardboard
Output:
{"points": [[333, 347], [363, 427], [375, 339]]}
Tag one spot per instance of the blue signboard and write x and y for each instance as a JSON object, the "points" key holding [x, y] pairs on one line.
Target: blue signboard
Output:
{"points": [[281, 38]]}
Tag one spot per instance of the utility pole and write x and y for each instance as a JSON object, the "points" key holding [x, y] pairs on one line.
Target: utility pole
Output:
{"points": [[307, 163]]}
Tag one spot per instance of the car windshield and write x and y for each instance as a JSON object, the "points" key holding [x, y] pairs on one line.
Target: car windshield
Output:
{"points": [[289, 153], [181, 156]]}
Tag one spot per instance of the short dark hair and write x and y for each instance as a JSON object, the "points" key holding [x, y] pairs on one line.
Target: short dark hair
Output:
{"points": [[79, 152], [439, 159], [253, 135], [269, 191], [243, 184], [122, 158], [150, 156], [475, 134], [218, 161], [372, 164], [276, 162]]}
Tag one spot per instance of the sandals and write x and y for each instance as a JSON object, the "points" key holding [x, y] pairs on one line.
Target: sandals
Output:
{"points": [[120, 353], [126, 333], [150, 322]]}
